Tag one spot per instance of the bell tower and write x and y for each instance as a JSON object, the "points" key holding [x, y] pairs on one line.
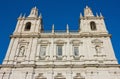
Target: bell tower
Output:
{"points": [[91, 24], [93, 29], [31, 25], [23, 42]]}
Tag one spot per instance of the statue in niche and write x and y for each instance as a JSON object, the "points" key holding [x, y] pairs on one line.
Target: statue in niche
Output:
{"points": [[98, 49], [21, 51]]}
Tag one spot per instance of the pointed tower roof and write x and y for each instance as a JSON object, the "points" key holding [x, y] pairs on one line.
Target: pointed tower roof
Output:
{"points": [[34, 12], [88, 12]]}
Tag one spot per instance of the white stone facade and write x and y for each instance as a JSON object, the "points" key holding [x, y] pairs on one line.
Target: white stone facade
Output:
{"points": [[34, 53]]}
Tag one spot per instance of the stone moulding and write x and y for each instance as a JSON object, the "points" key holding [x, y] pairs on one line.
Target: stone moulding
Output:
{"points": [[29, 18], [60, 66], [60, 36], [89, 18]]}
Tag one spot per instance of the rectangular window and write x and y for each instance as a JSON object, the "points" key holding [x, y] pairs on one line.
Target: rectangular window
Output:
{"points": [[59, 50], [42, 51], [76, 51]]}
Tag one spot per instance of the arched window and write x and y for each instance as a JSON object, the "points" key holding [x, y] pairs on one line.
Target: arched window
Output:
{"points": [[27, 26], [93, 26]]}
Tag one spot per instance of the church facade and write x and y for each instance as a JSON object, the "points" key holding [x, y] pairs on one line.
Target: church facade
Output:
{"points": [[84, 54]]}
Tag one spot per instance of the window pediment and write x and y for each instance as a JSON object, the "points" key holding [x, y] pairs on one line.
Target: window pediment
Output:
{"points": [[60, 42], [97, 42], [44, 42], [23, 41], [76, 42]]}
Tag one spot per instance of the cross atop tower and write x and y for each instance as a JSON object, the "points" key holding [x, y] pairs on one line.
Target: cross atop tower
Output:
{"points": [[34, 12], [88, 12]]}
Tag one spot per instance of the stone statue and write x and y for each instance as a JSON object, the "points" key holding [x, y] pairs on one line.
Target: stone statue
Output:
{"points": [[21, 51], [97, 48]]}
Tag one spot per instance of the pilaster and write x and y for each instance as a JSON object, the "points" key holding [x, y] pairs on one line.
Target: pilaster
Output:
{"points": [[6, 60], [33, 51]]}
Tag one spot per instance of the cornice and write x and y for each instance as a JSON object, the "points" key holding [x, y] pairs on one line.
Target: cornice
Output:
{"points": [[89, 18], [61, 66], [29, 18], [60, 36]]}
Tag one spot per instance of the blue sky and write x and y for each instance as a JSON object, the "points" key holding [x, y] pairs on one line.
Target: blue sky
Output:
{"points": [[60, 13]]}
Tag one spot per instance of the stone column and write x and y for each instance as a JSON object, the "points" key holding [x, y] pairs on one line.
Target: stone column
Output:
{"points": [[64, 51], [54, 51], [48, 51], [13, 51], [2, 74], [51, 52], [49, 75], [71, 52], [28, 51], [68, 51], [33, 51], [29, 75], [69, 74], [37, 52]]}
